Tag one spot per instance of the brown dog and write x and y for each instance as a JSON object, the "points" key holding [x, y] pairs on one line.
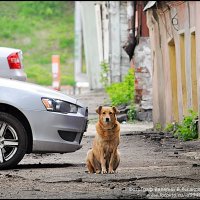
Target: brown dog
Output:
{"points": [[104, 156]]}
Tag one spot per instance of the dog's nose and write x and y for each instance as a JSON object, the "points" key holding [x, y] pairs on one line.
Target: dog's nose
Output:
{"points": [[107, 119]]}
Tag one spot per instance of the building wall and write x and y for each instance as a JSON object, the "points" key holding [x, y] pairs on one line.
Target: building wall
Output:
{"points": [[118, 26], [90, 41], [142, 63], [175, 51], [124, 61], [105, 26], [143, 73]]}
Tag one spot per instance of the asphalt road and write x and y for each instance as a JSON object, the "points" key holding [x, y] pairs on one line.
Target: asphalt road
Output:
{"points": [[153, 166]]}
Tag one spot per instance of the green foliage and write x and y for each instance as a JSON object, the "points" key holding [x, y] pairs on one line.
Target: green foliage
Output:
{"points": [[104, 74], [39, 75], [131, 113], [122, 92], [187, 129], [43, 77], [67, 80], [42, 8], [170, 128], [158, 127], [40, 29]]}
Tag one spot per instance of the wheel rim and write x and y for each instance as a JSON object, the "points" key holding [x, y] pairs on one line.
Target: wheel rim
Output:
{"points": [[8, 142]]}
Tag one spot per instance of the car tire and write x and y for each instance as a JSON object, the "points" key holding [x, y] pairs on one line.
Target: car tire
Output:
{"points": [[13, 141]]}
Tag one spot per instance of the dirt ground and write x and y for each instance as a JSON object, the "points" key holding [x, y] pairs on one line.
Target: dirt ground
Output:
{"points": [[153, 166]]}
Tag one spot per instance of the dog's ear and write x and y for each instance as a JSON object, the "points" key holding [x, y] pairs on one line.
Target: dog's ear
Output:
{"points": [[98, 110], [115, 110]]}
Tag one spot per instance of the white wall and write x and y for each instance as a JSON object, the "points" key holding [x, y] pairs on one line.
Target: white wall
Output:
{"points": [[91, 43], [105, 31]]}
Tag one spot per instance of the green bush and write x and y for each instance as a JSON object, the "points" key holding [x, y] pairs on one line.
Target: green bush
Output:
{"points": [[187, 129], [122, 92]]}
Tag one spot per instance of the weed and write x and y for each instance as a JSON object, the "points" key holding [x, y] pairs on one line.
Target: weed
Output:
{"points": [[131, 113], [104, 79], [158, 127], [122, 92], [187, 129]]}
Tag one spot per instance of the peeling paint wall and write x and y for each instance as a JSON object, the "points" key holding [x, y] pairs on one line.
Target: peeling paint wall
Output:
{"points": [[113, 21], [175, 41], [105, 23], [90, 41], [119, 60], [124, 61], [143, 79]]}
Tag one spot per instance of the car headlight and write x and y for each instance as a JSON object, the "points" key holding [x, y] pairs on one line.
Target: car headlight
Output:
{"points": [[56, 105]]}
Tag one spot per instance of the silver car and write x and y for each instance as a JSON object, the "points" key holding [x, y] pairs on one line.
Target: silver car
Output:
{"points": [[11, 65], [37, 119]]}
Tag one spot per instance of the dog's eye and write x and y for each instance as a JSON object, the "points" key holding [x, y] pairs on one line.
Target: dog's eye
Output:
{"points": [[110, 113], [104, 113]]}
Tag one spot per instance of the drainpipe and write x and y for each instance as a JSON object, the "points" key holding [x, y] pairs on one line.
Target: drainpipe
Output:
{"points": [[133, 22], [133, 19]]}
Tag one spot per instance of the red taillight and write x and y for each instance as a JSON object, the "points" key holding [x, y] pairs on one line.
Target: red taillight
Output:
{"points": [[14, 61]]}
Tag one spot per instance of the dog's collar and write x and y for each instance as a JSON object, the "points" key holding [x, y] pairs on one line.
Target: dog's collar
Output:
{"points": [[108, 129]]}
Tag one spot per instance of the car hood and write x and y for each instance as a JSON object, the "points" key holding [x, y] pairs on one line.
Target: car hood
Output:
{"points": [[35, 89]]}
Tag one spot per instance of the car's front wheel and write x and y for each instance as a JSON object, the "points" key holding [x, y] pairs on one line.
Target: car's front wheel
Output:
{"points": [[13, 141]]}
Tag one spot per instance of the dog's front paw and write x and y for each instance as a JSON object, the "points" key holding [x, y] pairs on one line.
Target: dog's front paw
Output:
{"points": [[111, 171], [104, 171]]}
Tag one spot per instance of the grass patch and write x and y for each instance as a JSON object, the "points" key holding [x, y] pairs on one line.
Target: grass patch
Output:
{"points": [[40, 29]]}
